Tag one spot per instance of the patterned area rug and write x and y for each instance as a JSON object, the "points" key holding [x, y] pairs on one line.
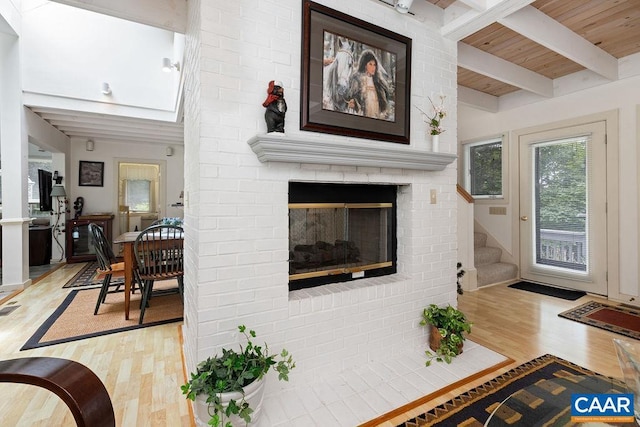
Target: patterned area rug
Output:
{"points": [[86, 277], [74, 319], [615, 318], [536, 393]]}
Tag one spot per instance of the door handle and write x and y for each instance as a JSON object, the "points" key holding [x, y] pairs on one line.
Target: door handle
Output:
{"points": [[524, 218]]}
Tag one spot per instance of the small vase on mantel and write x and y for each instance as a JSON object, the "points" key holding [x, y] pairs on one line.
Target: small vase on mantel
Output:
{"points": [[435, 143]]}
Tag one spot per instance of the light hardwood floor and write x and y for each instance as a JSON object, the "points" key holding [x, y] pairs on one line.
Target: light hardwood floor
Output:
{"points": [[142, 369], [524, 325]]}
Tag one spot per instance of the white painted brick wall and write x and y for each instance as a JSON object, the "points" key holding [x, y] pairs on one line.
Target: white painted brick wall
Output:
{"points": [[237, 236]]}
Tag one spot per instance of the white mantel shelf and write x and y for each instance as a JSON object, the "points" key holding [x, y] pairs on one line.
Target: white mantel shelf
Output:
{"points": [[275, 147]]}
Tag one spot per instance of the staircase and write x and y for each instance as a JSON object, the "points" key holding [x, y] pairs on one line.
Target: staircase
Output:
{"points": [[487, 262]]}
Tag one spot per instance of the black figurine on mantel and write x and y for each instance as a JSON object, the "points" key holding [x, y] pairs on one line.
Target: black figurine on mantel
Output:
{"points": [[276, 107], [77, 206]]}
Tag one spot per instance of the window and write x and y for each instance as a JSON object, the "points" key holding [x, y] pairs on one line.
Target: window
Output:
{"points": [[138, 195], [139, 186], [33, 182], [483, 167]]}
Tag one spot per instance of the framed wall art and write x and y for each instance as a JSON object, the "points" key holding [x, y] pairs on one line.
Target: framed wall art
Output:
{"points": [[356, 77], [91, 174]]}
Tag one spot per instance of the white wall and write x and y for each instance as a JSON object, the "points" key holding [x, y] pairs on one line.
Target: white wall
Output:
{"points": [[237, 214], [104, 199], [14, 152], [50, 139], [72, 51], [623, 96], [10, 16]]}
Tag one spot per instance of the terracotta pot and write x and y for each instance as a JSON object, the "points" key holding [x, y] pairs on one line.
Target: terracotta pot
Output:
{"points": [[435, 338]]}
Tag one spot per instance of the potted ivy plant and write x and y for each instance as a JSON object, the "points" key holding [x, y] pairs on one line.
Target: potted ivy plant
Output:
{"points": [[227, 390], [447, 326]]}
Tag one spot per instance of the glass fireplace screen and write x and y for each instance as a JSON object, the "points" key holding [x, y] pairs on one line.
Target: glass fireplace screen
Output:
{"points": [[327, 239]]}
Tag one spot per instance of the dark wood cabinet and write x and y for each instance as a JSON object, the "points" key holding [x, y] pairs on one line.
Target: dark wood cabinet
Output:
{"points": [[39, 245], [79, 245]]}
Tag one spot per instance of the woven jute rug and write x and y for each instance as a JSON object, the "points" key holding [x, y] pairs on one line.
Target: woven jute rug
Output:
{"points": [[74, 319], [620, 319], [534, 379]]}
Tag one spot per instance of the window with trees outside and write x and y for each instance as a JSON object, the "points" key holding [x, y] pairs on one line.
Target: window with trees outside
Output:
{"points": [[483, 168], [138, 196], [139, 186]]}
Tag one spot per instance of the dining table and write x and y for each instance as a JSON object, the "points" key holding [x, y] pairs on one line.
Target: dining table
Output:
{"points": [[127, 240]]}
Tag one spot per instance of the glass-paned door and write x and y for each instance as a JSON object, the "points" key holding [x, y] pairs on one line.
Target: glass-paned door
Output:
{"points": [[563, 207]]}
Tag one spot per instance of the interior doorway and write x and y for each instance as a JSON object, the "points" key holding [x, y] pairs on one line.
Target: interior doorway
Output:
{"points": [[563, 216], [141, 194]]}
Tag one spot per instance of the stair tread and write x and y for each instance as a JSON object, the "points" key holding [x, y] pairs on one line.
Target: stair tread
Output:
{"points": [[487, 255], [496, 272], [479, 240]]}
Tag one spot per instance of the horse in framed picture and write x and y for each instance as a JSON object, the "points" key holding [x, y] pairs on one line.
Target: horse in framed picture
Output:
{"points": [[335, 77]]}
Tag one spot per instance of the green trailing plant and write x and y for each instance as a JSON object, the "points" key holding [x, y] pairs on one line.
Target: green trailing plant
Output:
{"points": [[452, 324], [230, 373]]}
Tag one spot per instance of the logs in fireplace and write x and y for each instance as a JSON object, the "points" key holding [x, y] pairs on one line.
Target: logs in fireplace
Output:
{"points": [[322, 254], [340, 232]]}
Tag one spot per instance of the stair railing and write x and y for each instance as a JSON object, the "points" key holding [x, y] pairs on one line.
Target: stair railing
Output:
{"points": [[465, 238]]}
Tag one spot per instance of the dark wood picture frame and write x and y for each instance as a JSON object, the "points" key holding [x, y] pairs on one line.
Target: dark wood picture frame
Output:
{"points": [[319, 20], [91, 174]]}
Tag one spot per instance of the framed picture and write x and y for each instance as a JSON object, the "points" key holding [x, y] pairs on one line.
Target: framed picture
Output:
{"points": [[91, 174], [356, 77]]}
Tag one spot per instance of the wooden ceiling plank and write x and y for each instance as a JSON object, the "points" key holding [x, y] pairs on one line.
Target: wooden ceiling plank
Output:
{"points": [[473, 80], [588, 14], [617, 36], [496, 40], [570, 12], [472, 21], [540, 28], [626, 46], [481, 62]]}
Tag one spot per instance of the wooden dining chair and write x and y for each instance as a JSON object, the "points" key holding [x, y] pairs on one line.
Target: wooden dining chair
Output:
{"points": [[159, 253], [108, 265]]}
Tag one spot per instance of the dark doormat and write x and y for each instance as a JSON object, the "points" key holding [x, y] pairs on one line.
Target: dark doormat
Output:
{"points": [[548, 290]]}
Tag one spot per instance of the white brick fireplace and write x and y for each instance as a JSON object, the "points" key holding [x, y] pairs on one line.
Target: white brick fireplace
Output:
{"points": [[236, 183], [347, 324]]}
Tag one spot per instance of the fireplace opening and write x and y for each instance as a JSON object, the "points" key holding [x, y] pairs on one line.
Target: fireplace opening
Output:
{"points": [[340, 232]]}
